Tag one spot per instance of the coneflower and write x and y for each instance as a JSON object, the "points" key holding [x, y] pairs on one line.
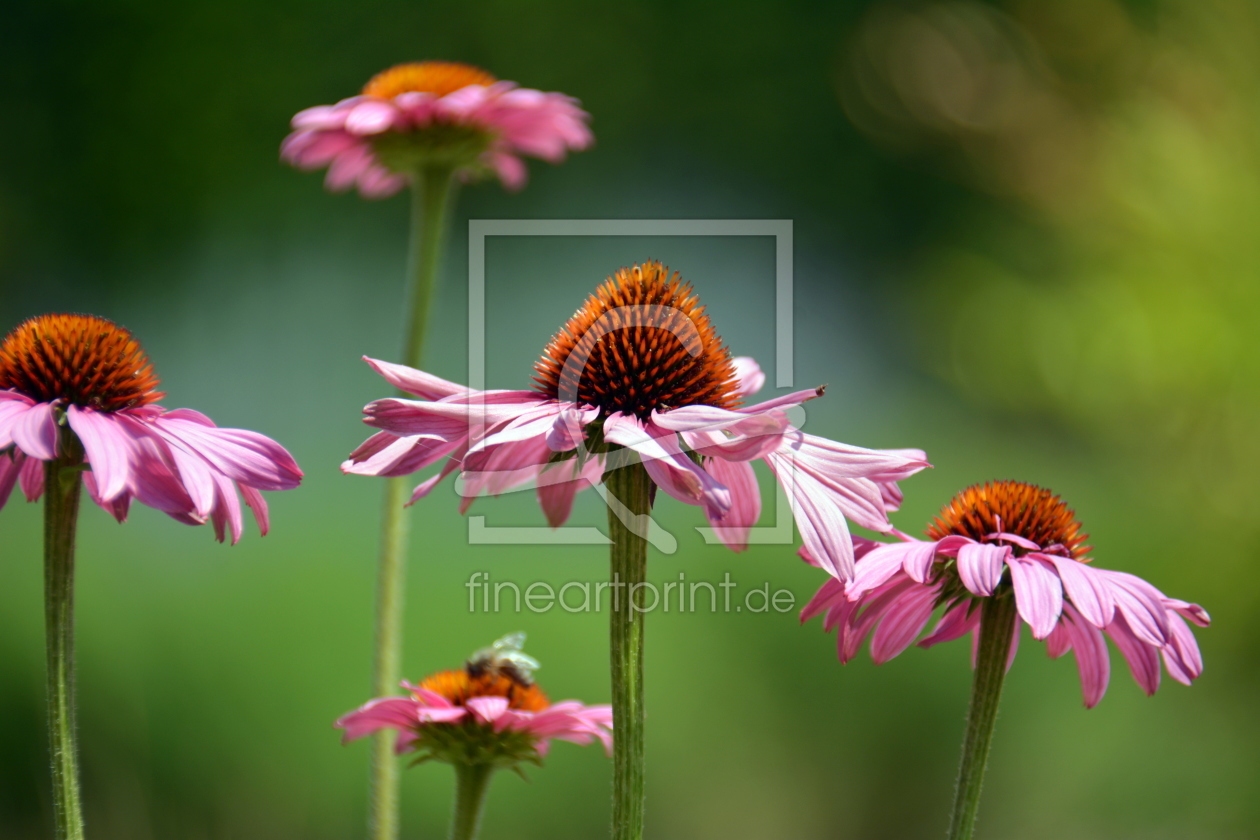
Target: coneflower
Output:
{"points": [[78, 406], [999, 555], [636, 390]]}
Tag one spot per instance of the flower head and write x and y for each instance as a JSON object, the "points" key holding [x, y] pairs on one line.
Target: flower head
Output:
{"points": [[434, 113], [638, 372], [81, 388], [1007, 539], [489, 712]]}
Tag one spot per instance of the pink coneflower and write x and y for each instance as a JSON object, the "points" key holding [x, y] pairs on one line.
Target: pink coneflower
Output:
{"points": [[1011, 540], [638, 367], [486, 716], [636, 391], [998, 555], [81, 383], [78, 407], [434, 113]]}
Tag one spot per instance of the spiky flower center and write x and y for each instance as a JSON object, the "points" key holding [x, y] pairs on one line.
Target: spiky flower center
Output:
{"points": [[81, 359], [1012, 507], [436, 77], [459, 687], [641, 342]]}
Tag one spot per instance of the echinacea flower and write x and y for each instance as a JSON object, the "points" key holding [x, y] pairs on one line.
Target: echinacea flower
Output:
{"points": [[434, 113], [488, 712], [639, 367], [1007, 539], [82, 383]]}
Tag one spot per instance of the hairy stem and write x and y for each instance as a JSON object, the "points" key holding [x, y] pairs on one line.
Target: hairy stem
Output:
{"points": [[629, 488], [997, 626], [471, 783], [431, 189], [63, 482]]}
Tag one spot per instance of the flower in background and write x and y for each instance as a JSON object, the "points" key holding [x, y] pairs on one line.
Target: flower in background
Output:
{"points": [[490, 713], [434, 113], [639, 367], [1003, 540], [84, 383]]}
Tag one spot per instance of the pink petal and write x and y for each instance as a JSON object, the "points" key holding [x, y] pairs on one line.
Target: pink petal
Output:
{"points": [[1088, 591], [1142, 606], [35, 431], [745, 510], [488, 709], [1092, 661], [1181, 654], [1142, 657], [423, 385], [258, 505], [239, 454], [10, 466], [749, 378], [31, 477], [980, 567], [382, 713], [904, 620], [957, 622], [1038, 595], [12, 406], [107, 442], [372, 116]]}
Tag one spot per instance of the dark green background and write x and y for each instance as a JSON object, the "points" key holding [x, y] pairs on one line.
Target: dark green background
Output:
{"points": [[1025, 242]]}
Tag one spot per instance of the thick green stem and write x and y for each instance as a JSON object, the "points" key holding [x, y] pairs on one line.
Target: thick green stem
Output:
{"points": [[630, 489], [471, 783], [63, 482], [997, 626], [431, 191]]}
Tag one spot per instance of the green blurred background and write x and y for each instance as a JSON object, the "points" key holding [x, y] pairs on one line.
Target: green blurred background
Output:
{"points": [[1025, 241]]}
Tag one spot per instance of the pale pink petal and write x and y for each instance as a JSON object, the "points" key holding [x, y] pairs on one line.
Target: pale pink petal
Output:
{"points": [[372, 116], [378, 181], [745, 510], [509, 168], [488, 709], [884, 561], [35, 431], [1191, 612], [1038, 594], [822, 525], [1181, 654], [568, 429], [239, 454], [423, 385], [1088, 591], [347, 167], [1059, 641], [749, 377], [980, 566], [107, 442], [667, 464], [117, 507], [1142, 606], [12, 406]]}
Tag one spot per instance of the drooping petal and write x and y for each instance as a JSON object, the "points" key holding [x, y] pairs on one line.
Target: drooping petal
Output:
{"points": [[1092, 660], [957, 622], [1038, 594], [108, 444], [902, 623], [35, 431], [749, 377], [1142, 657], [426, 386], [980, 566], [739, 478], [1088, 591]]}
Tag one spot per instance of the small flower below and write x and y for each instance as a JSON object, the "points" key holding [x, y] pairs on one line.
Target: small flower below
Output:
{"points": [[80, 388], [489, 713], [434, 113], [1008, 539]]}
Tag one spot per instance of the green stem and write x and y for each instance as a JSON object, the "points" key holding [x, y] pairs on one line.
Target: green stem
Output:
{"points": [[632, 488], [431, 192], [63, 481], [471, 783], [997, 626]]}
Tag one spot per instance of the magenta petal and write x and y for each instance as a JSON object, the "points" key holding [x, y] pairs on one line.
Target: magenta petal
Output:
{"points": [[258, 505], [1059, 641], [1038, 594], [10, 467], [107, 443], [1142, 657], [31, 477], [904, 620], [239, 454], [830, 594], [35, 431], [957, 622], [383, 713]]}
